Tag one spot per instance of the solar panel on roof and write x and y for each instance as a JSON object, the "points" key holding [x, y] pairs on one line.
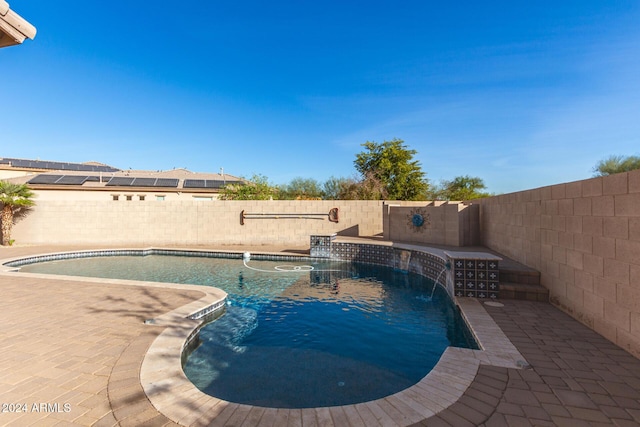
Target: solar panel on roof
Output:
{"points": [[93, 178], [144, 182], [40, 164], [26, 164], [102, 168], [208, 183], [166, 182], [216, 183], [120, 181], [194, 183], [72, 180], [45, 179], [21, 164]]}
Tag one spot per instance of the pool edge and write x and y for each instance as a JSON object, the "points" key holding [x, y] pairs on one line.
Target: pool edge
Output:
{"points": [[173, 395]]}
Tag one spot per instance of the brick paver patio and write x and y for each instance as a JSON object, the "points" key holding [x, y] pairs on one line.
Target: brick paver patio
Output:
{"points": [[72, 351], [577, 378]]}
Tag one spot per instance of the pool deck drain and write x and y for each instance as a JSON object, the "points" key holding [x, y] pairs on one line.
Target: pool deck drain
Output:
{"points": [[70, 341]]}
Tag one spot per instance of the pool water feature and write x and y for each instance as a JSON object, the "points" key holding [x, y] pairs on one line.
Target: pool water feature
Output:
{"points": [[305, 338]]}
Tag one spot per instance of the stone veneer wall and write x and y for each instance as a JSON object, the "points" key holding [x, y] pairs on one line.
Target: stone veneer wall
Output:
{"points": [[584, 238], [193, 222]]}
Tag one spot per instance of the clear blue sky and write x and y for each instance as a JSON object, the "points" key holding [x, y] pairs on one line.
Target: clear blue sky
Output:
{"points": [[519, 93]]}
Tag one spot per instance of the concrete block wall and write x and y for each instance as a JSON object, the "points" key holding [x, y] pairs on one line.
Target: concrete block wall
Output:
{"points": [[584, 238], [192, 222]]}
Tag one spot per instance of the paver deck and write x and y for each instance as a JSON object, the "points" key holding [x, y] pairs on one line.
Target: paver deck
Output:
{"points": [[72, 353]]}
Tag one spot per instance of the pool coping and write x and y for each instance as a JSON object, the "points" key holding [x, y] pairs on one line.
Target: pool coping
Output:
{"points": [[173, 395]]}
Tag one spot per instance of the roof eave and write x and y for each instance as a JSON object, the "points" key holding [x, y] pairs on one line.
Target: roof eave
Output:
{"points": [[13, 28]]}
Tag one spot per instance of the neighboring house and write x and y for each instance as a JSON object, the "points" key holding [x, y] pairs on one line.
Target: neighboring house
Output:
{"points": [[13, 28], [97, 181]]}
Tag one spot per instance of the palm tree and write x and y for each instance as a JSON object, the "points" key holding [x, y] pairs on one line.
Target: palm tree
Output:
{"points": [[13, 199]]}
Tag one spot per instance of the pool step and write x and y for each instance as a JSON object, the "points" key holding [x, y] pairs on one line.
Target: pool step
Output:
{"points": [[522, 283], [525, 275], [523, 291]]}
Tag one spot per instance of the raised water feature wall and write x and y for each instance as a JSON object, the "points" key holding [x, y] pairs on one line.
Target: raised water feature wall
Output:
{"points": [[436, 223], [463, 274]]}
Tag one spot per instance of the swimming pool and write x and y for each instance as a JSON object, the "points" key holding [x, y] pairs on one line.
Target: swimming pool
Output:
{"points": [[318, 338]]}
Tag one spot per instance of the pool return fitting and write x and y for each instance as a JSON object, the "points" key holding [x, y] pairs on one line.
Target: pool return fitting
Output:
{"points": [[332, 215]]}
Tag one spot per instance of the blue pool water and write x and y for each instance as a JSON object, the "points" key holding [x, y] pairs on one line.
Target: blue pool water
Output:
{"points": [[342, 333]]}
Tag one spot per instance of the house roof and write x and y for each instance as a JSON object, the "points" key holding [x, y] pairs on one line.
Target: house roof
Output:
{"points": [[44, 165], [13, 28], [46, 175]]}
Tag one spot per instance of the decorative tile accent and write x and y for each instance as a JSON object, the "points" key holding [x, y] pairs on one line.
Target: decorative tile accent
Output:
{"points": [[475, 277], [320, 246]]}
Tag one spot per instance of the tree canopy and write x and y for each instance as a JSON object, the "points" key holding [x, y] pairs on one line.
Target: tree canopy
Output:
{"points": [[460, 188], [301, 189], [257, 188], [386, 171], [389, 171], [616, 164]]}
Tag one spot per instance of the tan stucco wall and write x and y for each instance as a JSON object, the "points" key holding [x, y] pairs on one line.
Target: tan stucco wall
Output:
{"points": [[191, 222], [6, 174], [584, 237]]}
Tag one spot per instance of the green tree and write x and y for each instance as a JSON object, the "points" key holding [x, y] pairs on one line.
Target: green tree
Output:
{"points": [[370, 187], [14, 198], [616, 164], [301, 189], [333, 187], [460, 188], [367, 188], [391, 164], [257, 188]]}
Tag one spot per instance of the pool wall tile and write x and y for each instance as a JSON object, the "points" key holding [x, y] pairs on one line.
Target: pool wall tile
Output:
{"points": [[320, 245], [470, 274]]}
